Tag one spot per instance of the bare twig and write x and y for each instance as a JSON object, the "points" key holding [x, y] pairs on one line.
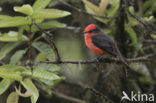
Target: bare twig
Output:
{"points": [[49, 38], [31, 34], [97, 93], [82, 11], [150, 26], [106, 60], [69, 98], [149, 41], [91, 89]]}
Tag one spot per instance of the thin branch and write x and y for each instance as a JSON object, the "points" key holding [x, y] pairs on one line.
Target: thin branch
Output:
{"points": [[49, 38], [149, 41], [106, 60], [82, 11], [147, 24], [69, 98], [91, 89], [97, 93], [31, 34]]}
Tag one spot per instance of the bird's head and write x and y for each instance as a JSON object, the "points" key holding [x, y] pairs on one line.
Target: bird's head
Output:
{"points": [[92, 28]]}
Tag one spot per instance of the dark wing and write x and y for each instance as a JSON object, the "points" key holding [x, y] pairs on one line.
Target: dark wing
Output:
{"points": [[105, 43], [108, 45]]}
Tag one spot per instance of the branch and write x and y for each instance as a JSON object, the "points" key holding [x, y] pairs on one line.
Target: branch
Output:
{"points": [[30, 34], [106, 60], [97, 93], [82, 11], [148, 25], [87, 88], [149, 41], [49, 38], [72, 99]]}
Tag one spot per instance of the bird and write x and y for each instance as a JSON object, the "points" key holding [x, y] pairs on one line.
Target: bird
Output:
{"points": [[101, 43]]}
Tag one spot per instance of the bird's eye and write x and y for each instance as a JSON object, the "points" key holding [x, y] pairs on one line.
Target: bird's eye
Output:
{"points": [[93, 31]]}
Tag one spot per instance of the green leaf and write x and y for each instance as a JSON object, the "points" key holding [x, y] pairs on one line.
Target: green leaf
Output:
{"points": [[50, 14], [114, 9], [41, 74], [40, 4], [25, 9], [92, 6], [51, 83], [4, 85], [44, 48], [9, 74], [17, 56], [20, 33], [29, 86], [47, 25], [147, 80], [132, 34], [6, 49], [14, 22], [5, 17], [41, 57], [12, 36], [49, 67], [13, 67], [13, 98]]}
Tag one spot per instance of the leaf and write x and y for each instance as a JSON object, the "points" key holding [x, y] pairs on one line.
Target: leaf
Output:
{"points": [[29, 86], [20, 33], [13, 98], [41, 74], [7, 48], [44, 48], [41, 57], [9, 74], [92, 6], [89, 10], [132, 34], [26, 94], [50, 14], [49, 67], [40, 4], [114, 9], [147, 80], [51, 83], [13, 67], [103, 5], [47, 25], [12, 36], [4, 85], [17, 56], [25, 9], [5, 17], [14, 22]]}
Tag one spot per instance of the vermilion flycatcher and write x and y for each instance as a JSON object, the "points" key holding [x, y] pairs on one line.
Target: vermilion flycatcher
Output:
{"points": [[101, 43]]}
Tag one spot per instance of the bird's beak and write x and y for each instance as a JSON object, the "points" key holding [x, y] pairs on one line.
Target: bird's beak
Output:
{"points": [[84, 32]]}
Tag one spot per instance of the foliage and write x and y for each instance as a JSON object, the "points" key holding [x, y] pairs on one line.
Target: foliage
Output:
{"points": [[148, 8], [129, 27], [46, 74], [24, 49]]}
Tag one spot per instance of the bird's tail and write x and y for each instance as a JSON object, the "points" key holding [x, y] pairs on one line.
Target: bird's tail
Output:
{"points": [[123, 59]]}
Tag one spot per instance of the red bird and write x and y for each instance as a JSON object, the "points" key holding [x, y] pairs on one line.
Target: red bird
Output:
{"points": [[101, 44]]}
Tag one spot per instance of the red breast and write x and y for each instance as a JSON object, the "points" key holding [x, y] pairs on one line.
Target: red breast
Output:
{"points": [[90, 45]]}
